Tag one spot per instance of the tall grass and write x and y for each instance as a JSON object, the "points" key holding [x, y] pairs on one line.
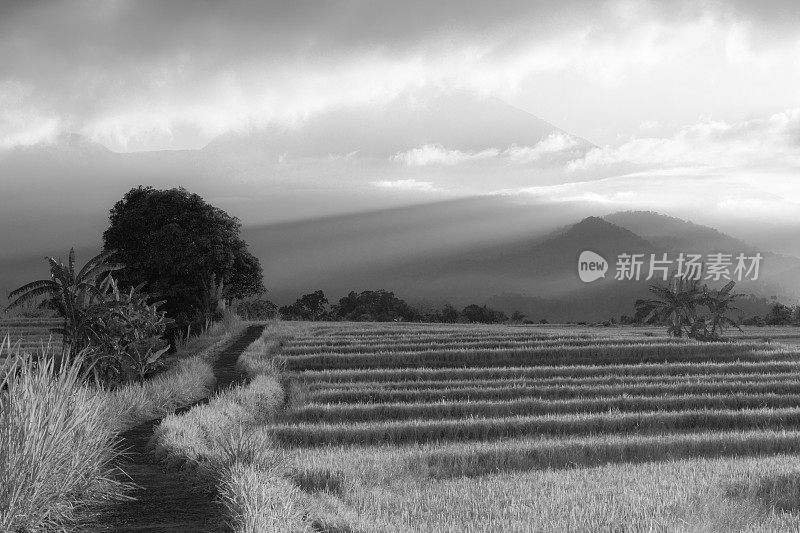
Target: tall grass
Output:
{"points": [[259, 501], [56, 445]]}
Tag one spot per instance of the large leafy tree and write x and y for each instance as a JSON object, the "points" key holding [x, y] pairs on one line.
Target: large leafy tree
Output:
{"points": [[187, 251]]}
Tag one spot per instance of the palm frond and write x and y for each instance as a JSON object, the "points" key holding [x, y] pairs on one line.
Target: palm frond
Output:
{"points": [[99, 259], [32, 285], [30, 295]]}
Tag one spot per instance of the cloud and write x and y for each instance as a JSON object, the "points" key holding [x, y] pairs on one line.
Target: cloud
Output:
{"points": [[21, 123], [407, 185], [553, 144], [430, 154], [144, 74], [774, 141]]}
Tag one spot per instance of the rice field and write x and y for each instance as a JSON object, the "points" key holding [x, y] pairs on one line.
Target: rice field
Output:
{"points": [[454, 410], [31, 334]]}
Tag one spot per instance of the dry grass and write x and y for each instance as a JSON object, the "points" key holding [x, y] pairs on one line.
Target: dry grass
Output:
{"points": [[548, 372], [490, 428], [730, 495], [56, 445], [58, 436], [261, 501], [547, 356], [377, 412], [514, 390]]}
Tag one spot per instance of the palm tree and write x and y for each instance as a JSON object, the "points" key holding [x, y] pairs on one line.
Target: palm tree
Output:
{"points": [[676, 305], [719, 302], [72, 293]]}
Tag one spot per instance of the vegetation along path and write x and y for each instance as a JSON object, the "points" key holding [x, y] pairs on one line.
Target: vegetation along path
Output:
{"points": [[165, 500]]}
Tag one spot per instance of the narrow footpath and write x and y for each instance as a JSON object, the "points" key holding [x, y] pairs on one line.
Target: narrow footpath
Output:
{"points": [[164, 499]]}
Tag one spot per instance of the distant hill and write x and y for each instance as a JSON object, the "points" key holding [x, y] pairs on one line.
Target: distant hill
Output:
{"points": [[672, 233], [481, 251]]}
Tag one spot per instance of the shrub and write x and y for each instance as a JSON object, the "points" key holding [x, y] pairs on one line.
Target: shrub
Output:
{"points": [[128, 331]]}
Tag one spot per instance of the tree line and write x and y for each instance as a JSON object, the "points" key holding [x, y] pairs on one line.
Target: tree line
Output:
{"points": [[369, 306]]}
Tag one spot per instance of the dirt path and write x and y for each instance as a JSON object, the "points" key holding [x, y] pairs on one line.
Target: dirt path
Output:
{"points": [[166, 500]]}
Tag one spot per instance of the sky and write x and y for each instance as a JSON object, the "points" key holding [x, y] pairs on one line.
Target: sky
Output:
{"points": [[688, 107]]}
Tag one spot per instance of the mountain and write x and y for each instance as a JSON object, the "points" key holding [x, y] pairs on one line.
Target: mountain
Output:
{"points": [[780, 274], [675, 234], [381, 131], [466, 252], [511, 255]]}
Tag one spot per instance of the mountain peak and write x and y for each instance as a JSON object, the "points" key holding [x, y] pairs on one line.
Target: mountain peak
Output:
{"points": [[457, 120], [598, 227], [675, 233]]}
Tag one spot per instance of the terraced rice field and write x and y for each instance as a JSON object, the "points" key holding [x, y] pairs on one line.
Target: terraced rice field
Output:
{"points": [[31, 334], [377, 407]]}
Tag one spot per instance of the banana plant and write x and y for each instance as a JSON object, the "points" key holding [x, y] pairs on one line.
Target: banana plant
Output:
{"points": [[719, 303], [676, 305], [72, 293]]}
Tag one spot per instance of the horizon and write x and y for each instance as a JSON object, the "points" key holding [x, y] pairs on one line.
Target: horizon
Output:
{"points": [[469, 129]]}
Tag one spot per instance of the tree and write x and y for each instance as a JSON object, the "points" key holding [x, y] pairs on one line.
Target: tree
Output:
{"points": [[677, 306], [779, 315], [187, 251], [719, 303], [674, 305], [311, 306], [518, 317], [380, 305], [483, 314], [449, 314], [72, 294], [315, 303], [256, 309]]}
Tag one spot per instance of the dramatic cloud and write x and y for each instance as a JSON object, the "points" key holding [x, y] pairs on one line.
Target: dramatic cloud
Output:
{"points": [[146, 74]]}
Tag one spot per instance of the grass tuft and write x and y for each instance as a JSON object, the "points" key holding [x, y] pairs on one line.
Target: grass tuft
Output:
{"points": [[56, 444]]}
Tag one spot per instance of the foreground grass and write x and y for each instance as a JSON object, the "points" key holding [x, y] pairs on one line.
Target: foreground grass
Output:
{"points": [[58, 436], [56, 446]]}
